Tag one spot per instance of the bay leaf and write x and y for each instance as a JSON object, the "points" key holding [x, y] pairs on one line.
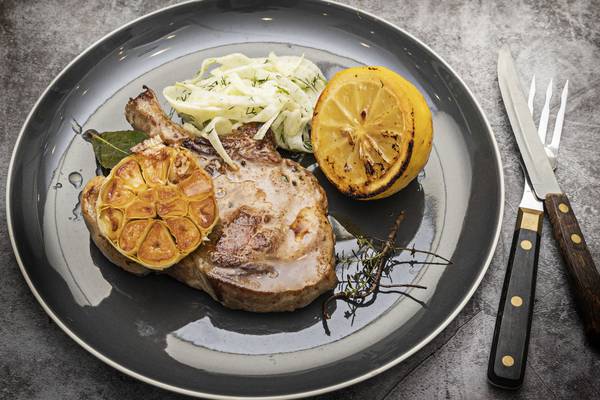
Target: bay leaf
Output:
{"points": [[112, 147]]}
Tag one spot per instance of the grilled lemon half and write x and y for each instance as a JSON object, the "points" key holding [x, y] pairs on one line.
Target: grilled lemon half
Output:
{"points": [[371, 132], [157, 207]]}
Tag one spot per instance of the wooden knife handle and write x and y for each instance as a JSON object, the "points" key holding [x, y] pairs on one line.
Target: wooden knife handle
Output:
{"points": [[508, 357], [584, 275]]}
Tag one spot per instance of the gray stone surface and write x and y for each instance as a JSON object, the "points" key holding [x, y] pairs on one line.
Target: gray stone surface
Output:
{"points": [[560, 39]]}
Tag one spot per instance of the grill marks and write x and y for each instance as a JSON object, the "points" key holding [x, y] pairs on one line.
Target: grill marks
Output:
{"points": [[364, 134], [376, 169], [246, 237]]}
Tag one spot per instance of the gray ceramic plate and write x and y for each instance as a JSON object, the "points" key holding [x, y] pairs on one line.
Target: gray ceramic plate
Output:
{"points": [[166, 334]]}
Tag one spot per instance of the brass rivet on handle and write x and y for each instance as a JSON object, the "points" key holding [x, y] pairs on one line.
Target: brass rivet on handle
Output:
{"points": [[575, 238], [563, 208], [508, 361], [516, 301], [526, 245]]}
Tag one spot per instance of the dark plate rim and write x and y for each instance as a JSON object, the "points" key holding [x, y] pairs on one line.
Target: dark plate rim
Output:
{"points": [[322, 390]]}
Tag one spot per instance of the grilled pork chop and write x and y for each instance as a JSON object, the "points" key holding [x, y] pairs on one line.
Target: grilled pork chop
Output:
{"points": [[272, 249]]}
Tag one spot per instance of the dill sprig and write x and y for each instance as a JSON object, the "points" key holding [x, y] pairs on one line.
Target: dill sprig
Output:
{"points": [[211, 85], [255, 81], [282, 90], [309, 84], [184, 95], [254, 110], [374, 259]]}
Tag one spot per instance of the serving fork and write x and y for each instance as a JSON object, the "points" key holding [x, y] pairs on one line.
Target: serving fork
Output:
{"points": [[513, 322]]}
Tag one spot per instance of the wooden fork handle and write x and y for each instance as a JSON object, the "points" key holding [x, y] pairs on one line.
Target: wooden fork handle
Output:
{"points": [[584, 276]]}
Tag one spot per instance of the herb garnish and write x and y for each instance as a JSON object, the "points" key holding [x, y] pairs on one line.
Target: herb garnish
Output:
{"points": [[282, 90], [112, 147], [184, 95], [312, 84], [256, 81], [374, 260], [254, 110], [212, 85]]}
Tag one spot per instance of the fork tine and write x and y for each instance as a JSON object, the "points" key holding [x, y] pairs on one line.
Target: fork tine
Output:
{"points": [[531, 95], [543, 126], [560, 117]]}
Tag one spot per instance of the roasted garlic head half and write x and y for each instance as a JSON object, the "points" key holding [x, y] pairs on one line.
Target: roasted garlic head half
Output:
{"points": [[156, 207]]}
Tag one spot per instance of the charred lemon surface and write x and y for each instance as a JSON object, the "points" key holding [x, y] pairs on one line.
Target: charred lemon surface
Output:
{"points": [[371, 132], [148, 206]]}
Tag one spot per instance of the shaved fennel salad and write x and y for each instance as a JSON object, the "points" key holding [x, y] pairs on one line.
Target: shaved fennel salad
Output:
{"points": [[279, 92]]}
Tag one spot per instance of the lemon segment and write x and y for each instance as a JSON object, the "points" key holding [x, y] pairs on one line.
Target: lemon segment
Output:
{"points": [[371, 132]]}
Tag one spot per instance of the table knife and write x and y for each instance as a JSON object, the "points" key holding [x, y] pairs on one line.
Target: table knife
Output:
{"points": [[508, 355]]}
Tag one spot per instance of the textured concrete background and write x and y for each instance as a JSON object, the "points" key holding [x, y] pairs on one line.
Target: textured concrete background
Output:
{"points": [[560, 39]]}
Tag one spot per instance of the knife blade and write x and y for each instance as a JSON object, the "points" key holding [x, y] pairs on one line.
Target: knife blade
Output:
{"points": [[583, 274], [539, 170]]}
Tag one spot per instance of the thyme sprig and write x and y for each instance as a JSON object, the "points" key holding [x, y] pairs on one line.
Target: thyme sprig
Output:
{"points": [[374, 259]]}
